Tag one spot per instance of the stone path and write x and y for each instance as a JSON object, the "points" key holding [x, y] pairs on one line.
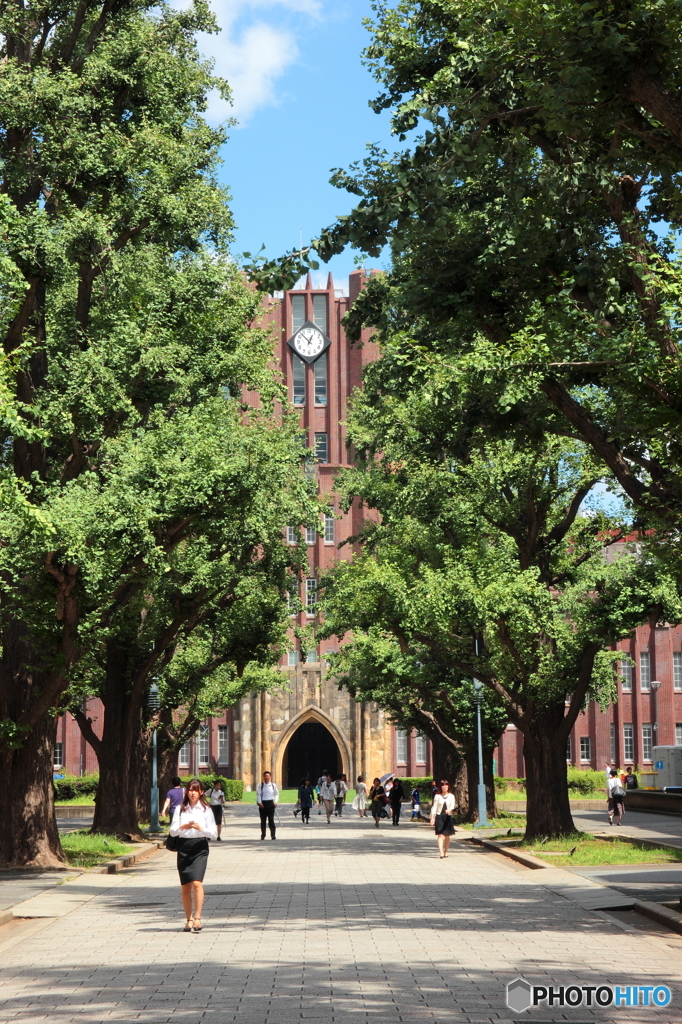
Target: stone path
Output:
{"points": [[333, 923]]}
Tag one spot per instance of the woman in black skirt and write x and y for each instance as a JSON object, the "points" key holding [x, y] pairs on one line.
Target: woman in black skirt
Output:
{"points": [[193, 824], [442, 809]]}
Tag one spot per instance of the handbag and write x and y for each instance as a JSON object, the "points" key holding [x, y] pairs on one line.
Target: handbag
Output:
{"points": [[173, 843], [617, 792]]}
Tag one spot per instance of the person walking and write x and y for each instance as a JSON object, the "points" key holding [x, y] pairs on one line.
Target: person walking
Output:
{"points": [[416, 805], [629, 780], [217, 799], [305, 799], [396, 797], [616, 797], [267, 796], [341, 790], [376, 799], [360, 800], [318, 789], [442, 809], [192, 826], [328, 794], [174, 797]]}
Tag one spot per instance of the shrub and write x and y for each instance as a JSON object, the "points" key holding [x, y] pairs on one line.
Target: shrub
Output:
{"points": [[423, 784], [508, 782], [232, 788], [75, 785], [585, 781]]}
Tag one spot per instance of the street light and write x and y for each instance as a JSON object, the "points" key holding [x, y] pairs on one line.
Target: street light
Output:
{"points": [[482, 801], [154, 801], [655, 687]]}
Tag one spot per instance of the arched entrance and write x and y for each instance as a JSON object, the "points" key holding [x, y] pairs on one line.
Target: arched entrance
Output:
{"points": [[310, 749]]}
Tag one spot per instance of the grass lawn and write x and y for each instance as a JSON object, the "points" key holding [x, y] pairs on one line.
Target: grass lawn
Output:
{"points": [[591, 851], [505, 819], [75, 800], [290, 796], [85, 851]]}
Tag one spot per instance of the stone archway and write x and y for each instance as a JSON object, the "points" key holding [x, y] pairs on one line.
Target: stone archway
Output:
{"points": [[313, 714]]}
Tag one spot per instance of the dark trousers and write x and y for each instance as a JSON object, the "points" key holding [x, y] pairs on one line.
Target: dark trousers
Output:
{"points": [[339, 805], [305, 814], [267, 816], [396, 813]]}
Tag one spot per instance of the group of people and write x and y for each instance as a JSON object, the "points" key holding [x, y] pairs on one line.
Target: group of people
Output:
{"points": [[196, 818], [616, 789]]}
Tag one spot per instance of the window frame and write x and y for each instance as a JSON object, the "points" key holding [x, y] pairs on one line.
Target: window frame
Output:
{"points": [[311, 590], [627, 671], [223, 744], [645, 673], [292, 657], [420, 739], [329, 528], [647, 740], [401, 742], [58, 755], [677, 671], [628, 741], [299, 390], [585, 744], [321, 301], [185, 755], [297, 301], [202, 742], [319, 434], [319, 383], [678, 734]]}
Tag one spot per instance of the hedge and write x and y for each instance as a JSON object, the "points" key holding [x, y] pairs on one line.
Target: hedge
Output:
{"points": [[232, 788], [75, 785], [421, 782]]}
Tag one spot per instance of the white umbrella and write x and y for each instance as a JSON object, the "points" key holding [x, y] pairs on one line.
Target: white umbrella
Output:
{"points": [[386, 777]]}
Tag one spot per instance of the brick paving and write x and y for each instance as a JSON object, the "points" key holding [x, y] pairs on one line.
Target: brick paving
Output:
{"points": [[334, 923]]}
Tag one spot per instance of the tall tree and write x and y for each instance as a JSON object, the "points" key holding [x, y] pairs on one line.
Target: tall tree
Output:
{"points": [[484, 541], [535, 205], [113, 262]]}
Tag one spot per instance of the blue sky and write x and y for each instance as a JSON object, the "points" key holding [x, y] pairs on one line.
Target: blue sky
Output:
{"points": [[301, 98]]}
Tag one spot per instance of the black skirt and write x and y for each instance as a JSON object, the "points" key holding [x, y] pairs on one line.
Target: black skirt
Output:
{"points": [[444, 825], [192, 860]]}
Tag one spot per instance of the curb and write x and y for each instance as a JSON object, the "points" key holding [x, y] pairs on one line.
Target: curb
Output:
{"points": [[127, 859], [670, 918], [527, 859]]}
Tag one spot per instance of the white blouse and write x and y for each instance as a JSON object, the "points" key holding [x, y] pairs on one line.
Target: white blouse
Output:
{"points": [[441, 803], [201, 814]]}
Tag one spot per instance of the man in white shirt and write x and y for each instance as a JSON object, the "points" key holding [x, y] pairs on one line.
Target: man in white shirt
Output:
{"points": [[328, 794], [267, 796], [340, 795]]}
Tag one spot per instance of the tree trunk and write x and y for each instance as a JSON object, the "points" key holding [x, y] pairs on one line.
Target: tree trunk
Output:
{"points": [[29, 836], [471, 755], [121, 751], [449, 764], [168, 769], [548, 812]]}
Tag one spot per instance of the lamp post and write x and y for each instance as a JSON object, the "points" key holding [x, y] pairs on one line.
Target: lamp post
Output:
{"points": [[154, 800], [655, 687], [482, 801]]}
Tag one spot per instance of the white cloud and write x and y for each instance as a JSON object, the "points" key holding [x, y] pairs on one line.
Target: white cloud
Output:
{"points": [[251, 55]]}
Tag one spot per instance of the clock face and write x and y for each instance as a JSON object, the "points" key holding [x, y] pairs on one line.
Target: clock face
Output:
{"points": [[309, 341]]}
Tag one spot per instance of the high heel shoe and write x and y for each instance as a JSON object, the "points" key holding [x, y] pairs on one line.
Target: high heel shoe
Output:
{"points": [[188, 926], [194, 926]]}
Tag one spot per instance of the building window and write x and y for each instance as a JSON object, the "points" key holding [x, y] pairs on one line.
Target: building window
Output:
{"points": [[298, 379], [297, 312], [626, 672], [644, 671], [401, 746], [292, 602], [310, 596], [677, 670], [183, 756], [202, 746], [613, 742], [58, 758], [320, 370], [585, 748], [320, 312], [312, 656], [420, 749], [292, 657], [291, 535], [569, 750], [628, 743], [678, 734], [329, 525], [223, 749], [321, 448], [647, 741], [310, 535]]}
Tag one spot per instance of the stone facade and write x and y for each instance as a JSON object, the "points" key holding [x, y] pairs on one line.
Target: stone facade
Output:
{"points": [[265, 727]]}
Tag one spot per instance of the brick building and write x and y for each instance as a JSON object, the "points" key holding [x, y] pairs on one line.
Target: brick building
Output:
{"points": [[310, 724]]}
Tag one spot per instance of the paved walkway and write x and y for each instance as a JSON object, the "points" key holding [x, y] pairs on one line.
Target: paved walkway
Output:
{"points": [[334, 923]]}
